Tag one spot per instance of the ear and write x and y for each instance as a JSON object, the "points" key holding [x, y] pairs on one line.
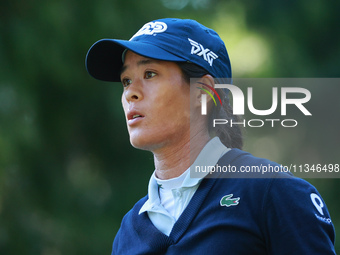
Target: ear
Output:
{"points": [[206, 82]]}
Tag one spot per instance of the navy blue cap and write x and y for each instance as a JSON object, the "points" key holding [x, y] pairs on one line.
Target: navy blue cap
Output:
{"points": [[169, 39]]}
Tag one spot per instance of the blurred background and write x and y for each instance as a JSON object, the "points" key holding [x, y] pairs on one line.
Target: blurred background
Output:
{"points": [[68, 173]]}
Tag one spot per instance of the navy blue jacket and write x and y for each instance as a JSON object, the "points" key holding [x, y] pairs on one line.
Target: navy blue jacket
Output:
{"points": [[256, 216]]}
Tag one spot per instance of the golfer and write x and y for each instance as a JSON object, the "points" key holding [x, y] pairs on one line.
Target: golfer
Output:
{"points": [[185, 215]]}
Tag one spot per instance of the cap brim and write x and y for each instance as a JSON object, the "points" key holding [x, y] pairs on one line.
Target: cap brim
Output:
{"points": [[104, 58]]}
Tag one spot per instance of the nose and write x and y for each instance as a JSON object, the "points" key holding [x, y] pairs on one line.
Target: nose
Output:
{"points": [[133, 92]]}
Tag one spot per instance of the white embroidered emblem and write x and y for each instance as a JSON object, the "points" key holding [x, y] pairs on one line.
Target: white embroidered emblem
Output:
{"points": [[199, 50], [151, 28]]}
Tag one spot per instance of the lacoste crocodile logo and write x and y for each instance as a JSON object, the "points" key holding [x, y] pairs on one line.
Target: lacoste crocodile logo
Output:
{"points": [[227, 200]]}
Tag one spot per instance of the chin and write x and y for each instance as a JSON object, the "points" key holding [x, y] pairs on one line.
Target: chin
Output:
{"points": [[144, 142], [140, 142]]}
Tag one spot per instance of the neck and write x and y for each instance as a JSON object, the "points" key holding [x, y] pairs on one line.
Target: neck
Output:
{"points": [[172, 161]]}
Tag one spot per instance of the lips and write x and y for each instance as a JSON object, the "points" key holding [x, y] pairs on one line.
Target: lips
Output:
{"points": [[133, 116], [136, 116]]}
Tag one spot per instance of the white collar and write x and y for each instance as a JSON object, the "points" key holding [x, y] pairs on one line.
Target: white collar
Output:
{"points": [[209, 156]]}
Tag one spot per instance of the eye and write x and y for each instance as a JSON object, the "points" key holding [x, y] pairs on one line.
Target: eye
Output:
{"points": [[149, 74], [126, 82]]}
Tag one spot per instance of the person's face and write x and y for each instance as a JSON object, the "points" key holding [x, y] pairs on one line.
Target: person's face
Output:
{"points": [[156, 102]]}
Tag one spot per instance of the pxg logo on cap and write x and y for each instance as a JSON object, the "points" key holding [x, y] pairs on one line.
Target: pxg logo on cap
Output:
{"points": [[199, 50]]}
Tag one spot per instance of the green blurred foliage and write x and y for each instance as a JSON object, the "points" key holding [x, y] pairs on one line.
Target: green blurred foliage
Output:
{"points": [[67, 171]]}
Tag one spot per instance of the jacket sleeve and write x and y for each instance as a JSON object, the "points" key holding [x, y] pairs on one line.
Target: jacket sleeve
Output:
{"points": [[296, 219]]}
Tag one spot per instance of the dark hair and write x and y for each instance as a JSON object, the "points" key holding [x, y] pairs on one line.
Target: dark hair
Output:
{"points": [[230, 136]]}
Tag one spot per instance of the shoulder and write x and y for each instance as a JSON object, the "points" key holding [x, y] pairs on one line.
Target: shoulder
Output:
{"points": [[295, 206], [288, 210], [271, 186], [272, 180]]}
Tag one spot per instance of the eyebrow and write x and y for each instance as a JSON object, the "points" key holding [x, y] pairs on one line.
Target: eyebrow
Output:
{"points": [[139, 63]]}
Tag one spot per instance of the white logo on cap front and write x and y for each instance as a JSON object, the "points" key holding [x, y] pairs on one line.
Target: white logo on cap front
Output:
{"points": [[199, 50], [151, 28]]}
